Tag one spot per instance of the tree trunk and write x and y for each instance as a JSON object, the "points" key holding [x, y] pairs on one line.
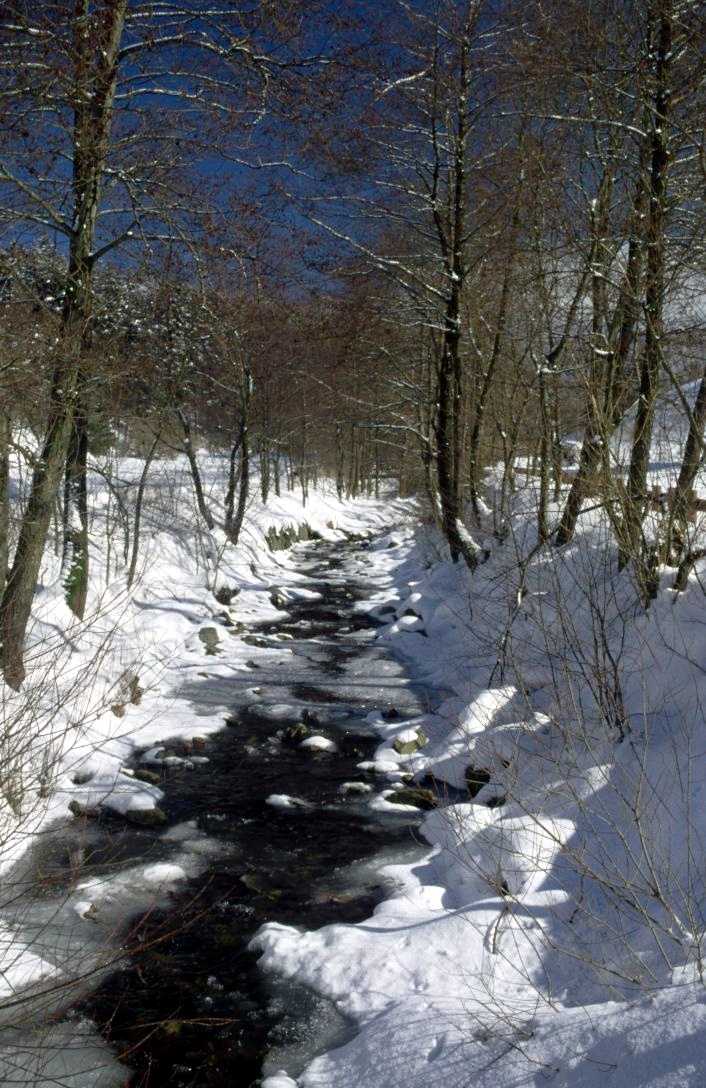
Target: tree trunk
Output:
{"points": [[96, 73], [277, 467], [446, 451], [233, 480], [650, 365], [304, 455], [5, 437], [449, 423], [138, 511], [238, 479], [544, 456], [22, 579], [195, 471], [609, 381], [264, 468], [236, 524], [487, 380], [340, 463], [240, 456], [675, 543], [74, 563]]}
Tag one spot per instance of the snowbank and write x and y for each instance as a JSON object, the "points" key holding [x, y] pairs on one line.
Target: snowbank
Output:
{"points": [[555, 929], [107, 692]]}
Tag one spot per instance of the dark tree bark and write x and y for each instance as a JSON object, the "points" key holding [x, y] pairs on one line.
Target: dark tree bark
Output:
{"points": [[5, 437], [22, 578], [96, 72], [234, 521], [139, 499], [239, 467], [340, 464], [692, 460], [74, 564], [651, 359], [452, 239], [190, 452], [488, 377], [609, 383], [265, 468]]}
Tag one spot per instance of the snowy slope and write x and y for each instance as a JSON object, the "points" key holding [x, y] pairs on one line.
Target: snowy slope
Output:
{"points": [[555, 930]]}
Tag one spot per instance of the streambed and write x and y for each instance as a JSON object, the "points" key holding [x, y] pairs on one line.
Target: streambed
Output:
{"points": [[283, 833]]}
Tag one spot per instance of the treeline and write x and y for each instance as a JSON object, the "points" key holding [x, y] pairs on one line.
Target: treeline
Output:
{"points": [[174, 361], [405, 240]]}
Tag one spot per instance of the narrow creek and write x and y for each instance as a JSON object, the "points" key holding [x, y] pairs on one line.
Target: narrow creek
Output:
{"points": [[189, 1007]]}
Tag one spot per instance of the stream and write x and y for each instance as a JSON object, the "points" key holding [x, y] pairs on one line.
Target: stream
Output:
{"points": [[188, 1006]]}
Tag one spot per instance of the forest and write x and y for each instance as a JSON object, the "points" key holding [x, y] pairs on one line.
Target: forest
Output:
{"points": [[409, 240], [450, 250]]}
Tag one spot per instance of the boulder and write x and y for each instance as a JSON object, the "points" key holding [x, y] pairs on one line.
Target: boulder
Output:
{"points": [[210, 639], [406, 745], [225, 594], [77, 809], [413, 795], [145, 817], [144, 775]]}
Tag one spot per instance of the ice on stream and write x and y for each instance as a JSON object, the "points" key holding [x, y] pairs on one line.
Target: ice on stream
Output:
{"points": [[59, 937], [62, 1056]]}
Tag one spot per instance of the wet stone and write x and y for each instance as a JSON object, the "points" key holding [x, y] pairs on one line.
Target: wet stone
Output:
{"points": [[77, 809], [296, 733], [414, 795], [406, 746], [476, 778], [209, 637], [145, 775], [145, 817], [225, 594]]}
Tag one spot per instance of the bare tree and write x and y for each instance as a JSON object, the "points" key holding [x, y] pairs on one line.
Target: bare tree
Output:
{"points": [[637, 127], [424, 119], [129, 97]]}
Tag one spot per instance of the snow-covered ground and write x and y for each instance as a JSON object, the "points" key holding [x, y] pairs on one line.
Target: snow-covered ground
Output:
{"points": [[553, 932], [101, 690]]}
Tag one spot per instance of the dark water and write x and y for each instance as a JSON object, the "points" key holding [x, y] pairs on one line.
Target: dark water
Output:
{"points": [[192, 1007]]}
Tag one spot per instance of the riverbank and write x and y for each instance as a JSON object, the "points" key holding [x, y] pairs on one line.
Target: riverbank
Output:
{"points": [[554, 929], [285, 821], [90, 723]]}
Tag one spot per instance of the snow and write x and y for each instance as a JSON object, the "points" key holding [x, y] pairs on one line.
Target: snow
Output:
{"points": [[554, 928], [279, 1080], [284, 800], [22, 966], [117, 688], [318, 743]]}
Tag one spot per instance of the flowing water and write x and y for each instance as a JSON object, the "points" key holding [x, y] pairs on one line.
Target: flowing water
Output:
{"points": [[188, 1005]]}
